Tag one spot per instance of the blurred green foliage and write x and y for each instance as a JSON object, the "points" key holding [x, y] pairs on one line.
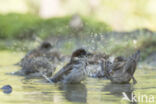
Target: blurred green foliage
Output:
{"points": [[24, 26], [17, 25], [145, 43], [14, 27]]}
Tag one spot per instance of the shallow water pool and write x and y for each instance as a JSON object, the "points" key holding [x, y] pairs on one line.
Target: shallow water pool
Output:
{"points": [[91, 91]]}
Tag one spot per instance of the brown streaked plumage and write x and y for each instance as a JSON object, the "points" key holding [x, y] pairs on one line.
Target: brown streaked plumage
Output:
{"points": [[44, 50], [40, 60], [74, 71], [122, 69], [36, 67]]}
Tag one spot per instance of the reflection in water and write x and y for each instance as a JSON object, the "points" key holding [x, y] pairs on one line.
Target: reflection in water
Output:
{"points": [[119, 89], [46, 93], [75, 92], [42, 93]]}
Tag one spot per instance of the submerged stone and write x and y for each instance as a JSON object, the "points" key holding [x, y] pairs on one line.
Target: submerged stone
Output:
{"points": [[7, 89]]}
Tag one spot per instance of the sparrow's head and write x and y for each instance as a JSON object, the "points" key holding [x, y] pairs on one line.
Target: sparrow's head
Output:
{"points": [[119, 59], [79, 53], [46, 46]]}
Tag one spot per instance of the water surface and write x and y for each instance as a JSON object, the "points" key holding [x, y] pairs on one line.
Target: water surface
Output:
{"points": [[92, 91]]}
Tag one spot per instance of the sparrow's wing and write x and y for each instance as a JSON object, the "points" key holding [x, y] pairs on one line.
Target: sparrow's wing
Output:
{"points": [[131, 63], [118, 65], [59, 75]]}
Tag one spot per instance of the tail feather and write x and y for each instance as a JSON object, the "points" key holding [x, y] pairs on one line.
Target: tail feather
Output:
{"points": [[131, 64]]}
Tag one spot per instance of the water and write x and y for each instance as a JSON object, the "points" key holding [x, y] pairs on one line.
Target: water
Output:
{"points": [[91, 91]]}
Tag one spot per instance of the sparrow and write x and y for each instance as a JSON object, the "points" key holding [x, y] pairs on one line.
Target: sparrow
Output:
{"points": [[122, 69], [75, 70]]}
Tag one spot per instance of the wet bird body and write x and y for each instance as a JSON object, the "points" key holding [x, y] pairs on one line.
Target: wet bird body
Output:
{"points": [[74, 71], [122, 69], [36, 67], [45, 50], [39, 61]]}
